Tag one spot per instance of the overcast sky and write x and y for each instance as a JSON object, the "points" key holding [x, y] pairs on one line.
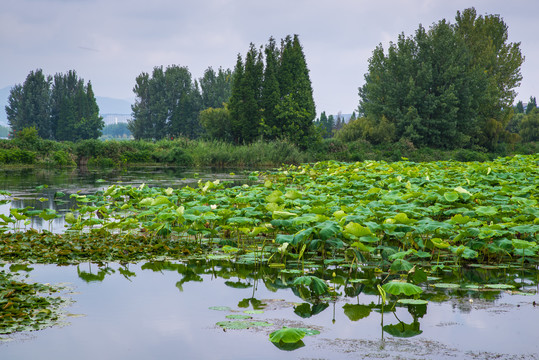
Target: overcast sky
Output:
{"points": [[110, 42]]}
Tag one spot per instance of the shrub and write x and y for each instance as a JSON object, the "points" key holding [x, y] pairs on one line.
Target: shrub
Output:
{"points": [[62, 158]]}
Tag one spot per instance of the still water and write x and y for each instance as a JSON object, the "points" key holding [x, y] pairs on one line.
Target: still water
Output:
{"points": [[151, 311], [155, 313]]}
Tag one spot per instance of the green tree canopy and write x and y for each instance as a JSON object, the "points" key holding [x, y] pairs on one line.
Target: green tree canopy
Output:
{"points": [[167, 104], [449, 86], [275, 100], [60, 108]]}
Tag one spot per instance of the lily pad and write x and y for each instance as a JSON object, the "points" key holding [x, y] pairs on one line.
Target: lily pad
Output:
{"points": [[220, 308], [235, 325], [287, 335], [238, 317], [412, 302]]}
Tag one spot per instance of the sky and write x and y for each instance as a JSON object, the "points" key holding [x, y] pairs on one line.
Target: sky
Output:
{"points": [[111, 42]]}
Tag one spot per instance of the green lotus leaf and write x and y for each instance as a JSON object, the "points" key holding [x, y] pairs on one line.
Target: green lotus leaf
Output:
{"points": [[486, 210], [401, 265], [398, 288], [356, 230], [235, 325], [287, 335], [328, 229], [283, 214], [499, 286], [451, 196], [412, 302], [293, 195], [439, 243], [523, 244], [238, 317], [446, 286], [315, 284]]}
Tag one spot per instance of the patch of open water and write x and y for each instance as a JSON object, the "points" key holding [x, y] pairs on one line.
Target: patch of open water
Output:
{"points": [[158, 314]]}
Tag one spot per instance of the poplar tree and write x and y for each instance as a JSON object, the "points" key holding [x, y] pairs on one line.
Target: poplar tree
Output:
{"points": [[271, 92], [29, 104], [449, 86]]}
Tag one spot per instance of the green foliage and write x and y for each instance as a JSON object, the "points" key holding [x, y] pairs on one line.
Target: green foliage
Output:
{"points": [[167, 104], [451, 86], [532, 104], [215, 87], [62, 158], [25, 307], [276, 101], [67, 111], [216, 123], [529, 126], [29, 105]]}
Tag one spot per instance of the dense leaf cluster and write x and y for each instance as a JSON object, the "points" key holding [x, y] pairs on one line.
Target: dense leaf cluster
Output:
{"points": [[168, 102], [26, 307], [275, 99], [449, 86]]}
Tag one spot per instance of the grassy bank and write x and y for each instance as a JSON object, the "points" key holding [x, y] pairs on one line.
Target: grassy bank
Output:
{"points": [[32, 150]]}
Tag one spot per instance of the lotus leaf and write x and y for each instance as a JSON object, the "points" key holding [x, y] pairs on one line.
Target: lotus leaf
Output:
{"points": [[287, 335], [399, 287]]}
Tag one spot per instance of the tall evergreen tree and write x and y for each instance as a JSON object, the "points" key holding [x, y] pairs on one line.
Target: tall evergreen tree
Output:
{"points": [[29, 104], [297, 103], [275, 100], [236, 101], [271, 92], [532, 104]]}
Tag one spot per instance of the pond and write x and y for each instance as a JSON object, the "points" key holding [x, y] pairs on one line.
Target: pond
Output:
{"points": [[161, 310], [204, 308]]}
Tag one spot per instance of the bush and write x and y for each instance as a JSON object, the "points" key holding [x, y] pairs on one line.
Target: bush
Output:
{"points": [[62, 158], [466, 155]]}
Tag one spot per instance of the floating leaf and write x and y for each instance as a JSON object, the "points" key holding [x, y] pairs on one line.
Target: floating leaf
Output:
{"points": [[235, 325], [287, 335], [238, 317], [412, 302]]}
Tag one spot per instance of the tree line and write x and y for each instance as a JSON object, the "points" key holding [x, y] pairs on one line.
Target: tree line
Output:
{"points": [[267, 96], [449, 86], [61, 108]]}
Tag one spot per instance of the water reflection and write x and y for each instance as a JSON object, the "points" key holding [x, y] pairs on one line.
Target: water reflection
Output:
{"points": [[155, 308], [39, 189]]}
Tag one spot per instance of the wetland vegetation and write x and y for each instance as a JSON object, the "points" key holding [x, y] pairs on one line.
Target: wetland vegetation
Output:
{"points": [[403, 235]]}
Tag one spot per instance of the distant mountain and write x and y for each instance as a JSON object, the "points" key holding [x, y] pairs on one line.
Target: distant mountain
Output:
{"points": [[106, 105]]}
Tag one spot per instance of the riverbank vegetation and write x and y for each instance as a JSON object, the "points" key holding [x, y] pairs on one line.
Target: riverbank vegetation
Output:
{"points": [[29, 149]]}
